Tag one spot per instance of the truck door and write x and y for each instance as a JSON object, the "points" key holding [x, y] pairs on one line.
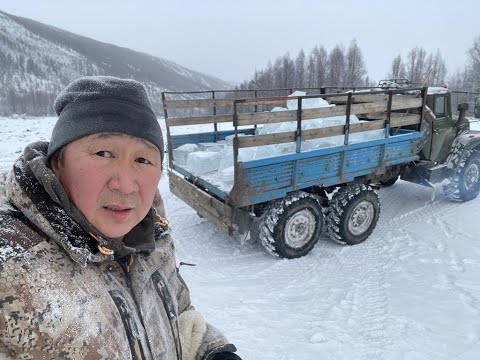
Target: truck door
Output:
{"points": [[444, 131]]}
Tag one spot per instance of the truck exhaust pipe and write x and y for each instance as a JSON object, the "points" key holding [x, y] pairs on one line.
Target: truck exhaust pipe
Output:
{"points": [[463, 122], [462, 111]]}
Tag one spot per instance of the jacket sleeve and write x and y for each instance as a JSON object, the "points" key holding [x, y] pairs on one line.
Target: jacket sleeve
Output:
{"points": [[225, 356], [200, 340], [3, 354]]}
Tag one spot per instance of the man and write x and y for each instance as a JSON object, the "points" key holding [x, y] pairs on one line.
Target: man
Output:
{"points": [[87, 266]]}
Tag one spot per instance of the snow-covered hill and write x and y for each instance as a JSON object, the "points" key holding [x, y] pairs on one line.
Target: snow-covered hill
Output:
{"points": [[410, 292], [38, 60]]}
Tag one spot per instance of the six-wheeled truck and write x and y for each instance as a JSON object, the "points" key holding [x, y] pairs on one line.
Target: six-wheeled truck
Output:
{"points": [[287, 198]]}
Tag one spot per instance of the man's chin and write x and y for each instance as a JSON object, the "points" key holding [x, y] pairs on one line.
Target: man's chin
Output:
{"points": [[117, 234]]}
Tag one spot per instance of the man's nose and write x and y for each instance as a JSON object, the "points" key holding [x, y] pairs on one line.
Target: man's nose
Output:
{"points": [[124, 178]]}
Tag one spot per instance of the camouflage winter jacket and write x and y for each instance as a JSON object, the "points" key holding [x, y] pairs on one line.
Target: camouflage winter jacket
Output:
{"points": [[60, 298]]}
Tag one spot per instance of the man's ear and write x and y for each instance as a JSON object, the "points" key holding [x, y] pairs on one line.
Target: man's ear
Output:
{"points": [[55, 166]]}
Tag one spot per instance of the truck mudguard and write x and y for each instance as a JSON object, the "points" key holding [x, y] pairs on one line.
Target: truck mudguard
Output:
{"points": [[463, 143]]}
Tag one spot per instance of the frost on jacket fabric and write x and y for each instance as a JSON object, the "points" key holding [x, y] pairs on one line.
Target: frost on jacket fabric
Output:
{"points": [[61, 298]]}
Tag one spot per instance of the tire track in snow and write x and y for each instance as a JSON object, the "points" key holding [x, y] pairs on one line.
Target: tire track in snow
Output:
{"points": [[457, 265], [351, 310], [416, 202], [366, 304]]}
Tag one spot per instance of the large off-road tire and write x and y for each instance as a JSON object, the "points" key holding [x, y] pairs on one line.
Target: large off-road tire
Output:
{"points": [[290, 227], [465, 182], [353, 214]]}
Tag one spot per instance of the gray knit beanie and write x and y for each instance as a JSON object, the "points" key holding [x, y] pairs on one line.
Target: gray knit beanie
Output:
{"points": [[99, 104]]}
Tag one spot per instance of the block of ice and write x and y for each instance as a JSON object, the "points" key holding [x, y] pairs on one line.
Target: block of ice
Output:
{"points": [[202, 162], [226, 159], [222, 181], [181, 152], [266, 151], [225, 177], [367, 136], [214, 161], [306, 103], [279, 108], [244, 154], [212, 146], [229, 138]]}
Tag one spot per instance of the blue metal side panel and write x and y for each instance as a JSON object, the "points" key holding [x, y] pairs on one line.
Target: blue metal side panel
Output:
{"points": [[331, 150], [361, 159], [309, 168], [399, 150], [255, 198], [178, 140], [272, 178], [269, 177], [266, 179]]}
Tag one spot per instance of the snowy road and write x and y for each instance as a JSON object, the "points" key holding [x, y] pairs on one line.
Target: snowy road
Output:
{"points": [[411, 291]]}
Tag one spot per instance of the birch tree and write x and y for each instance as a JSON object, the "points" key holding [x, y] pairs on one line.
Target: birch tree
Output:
{"points": [[398, 68], [336, 66], [321, 66], [416, 64], [474, 65], [437, 69], [288, 71], [300, 78], [355, 66]]}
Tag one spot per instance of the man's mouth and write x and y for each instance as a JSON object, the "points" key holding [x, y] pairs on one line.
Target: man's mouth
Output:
{"points": [[118, 212], [117, 208]]}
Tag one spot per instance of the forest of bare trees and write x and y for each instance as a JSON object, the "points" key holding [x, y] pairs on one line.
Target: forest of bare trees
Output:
{"points": [[340, 67], [468, 78], [345, 67], [420, 67]]}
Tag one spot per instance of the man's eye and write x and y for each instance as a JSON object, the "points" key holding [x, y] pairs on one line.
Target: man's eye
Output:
{"points": [[142, 160], [104, 153]]}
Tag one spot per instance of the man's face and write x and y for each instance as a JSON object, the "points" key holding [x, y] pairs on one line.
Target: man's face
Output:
{"points": [[111, 179]]}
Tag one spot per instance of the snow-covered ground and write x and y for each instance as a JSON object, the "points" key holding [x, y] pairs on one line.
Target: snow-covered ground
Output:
{"points": [[411, 291]]}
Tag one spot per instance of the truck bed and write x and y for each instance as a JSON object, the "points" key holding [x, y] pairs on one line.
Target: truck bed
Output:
{"points": [[261, 180]]}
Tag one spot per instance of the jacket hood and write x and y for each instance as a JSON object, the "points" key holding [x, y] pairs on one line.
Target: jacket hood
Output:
{"points": [[33, 188]]}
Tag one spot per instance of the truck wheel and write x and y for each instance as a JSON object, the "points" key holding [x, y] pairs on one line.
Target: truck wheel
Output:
{"points": [[290, 227], [353, 214], [465, 183]]}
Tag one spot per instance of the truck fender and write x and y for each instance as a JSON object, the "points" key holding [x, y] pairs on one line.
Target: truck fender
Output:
{"points": [[463, 143]]}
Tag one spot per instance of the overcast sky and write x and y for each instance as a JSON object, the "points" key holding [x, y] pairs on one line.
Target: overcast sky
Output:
{"points": [[230, 39]]}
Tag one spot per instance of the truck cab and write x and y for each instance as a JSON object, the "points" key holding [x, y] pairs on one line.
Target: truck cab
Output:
{"points": [[444, 127]]}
